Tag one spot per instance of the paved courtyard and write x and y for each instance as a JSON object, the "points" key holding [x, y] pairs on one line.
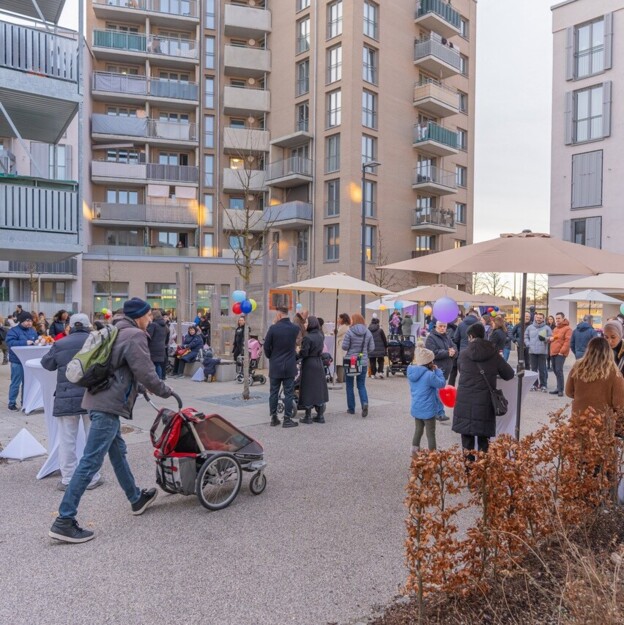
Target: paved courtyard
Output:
{"points": [[323, 543]]}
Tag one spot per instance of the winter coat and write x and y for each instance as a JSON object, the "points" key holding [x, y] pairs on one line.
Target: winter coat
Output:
{"points": [[474, 414], [239, 341], [581, 336], [461, 336], [194, 342], [157, 332], [299, 321], [532, 340], [18, 336], [210, 363], [499, 338], [561, 337], [440, 344], [280, 344], [379, 338], [130, 360], [601, 395], [359, 340], [424, 384], [342, 331], [57, 327], [406, 325], [395, 323], [67, 396], [313, 388]]}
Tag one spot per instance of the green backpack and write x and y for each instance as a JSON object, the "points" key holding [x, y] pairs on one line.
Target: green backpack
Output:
{"points": [[91, 366]]}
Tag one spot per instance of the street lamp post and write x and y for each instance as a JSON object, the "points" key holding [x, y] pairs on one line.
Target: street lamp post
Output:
{"points": [[365, 166]]}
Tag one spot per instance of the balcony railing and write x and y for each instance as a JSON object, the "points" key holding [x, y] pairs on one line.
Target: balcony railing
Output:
{"points": [[136, 250], [434, 217], [434, 47], [38, 52], [182, 8], [178, 47], [292, 166], [145, 86], [432, 89], [441, 8], [172, 173], [432, 132], [150, 213], [420, 253], [434, 175], [143, 127], [69, 267]]}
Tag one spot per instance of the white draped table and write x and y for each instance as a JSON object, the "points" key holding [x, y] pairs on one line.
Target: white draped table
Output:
{"points": [[33, 398], [507, 423]]}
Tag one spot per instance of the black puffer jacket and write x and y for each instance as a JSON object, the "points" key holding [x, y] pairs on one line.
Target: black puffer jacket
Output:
{"points": [[461, 336], [67, 396], [473, 413], [439, 344], [157, 331], [498, 336], [379, 336]]}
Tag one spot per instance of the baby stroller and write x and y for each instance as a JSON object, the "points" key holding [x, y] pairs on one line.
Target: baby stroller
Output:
{"points": [[255, 349], [281, 404], [204, 455], [400, 354]]}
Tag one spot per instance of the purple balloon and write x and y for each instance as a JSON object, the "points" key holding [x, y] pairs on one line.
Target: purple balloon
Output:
{"points": [[445, 310]]}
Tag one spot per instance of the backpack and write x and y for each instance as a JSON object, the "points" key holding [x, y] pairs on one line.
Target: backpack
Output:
{"points": [[91, 366]]}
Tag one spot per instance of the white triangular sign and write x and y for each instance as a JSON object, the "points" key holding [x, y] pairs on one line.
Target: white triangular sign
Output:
{"points": [[23, 446]]}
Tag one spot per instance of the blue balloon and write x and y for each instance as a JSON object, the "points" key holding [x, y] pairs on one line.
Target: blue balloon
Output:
{"points": [[496, 308], [239, 296], [299, 306], [398, 305], [246, 307]]}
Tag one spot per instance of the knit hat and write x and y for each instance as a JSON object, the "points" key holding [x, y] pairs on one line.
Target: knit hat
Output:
{"points": [[375, 316], [135, 308], [80, 318], [423, 356], [615, 326], [24, 316]]}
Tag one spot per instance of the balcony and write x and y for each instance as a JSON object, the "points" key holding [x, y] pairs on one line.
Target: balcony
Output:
{"points": [[39, 219], [235, 220], [433, 221], [105, 127], [244, 141], [436, 99], [252, 180], [105, 171], [293, 140], [144, 214], [434, 181], [173, 173], [22, 268], [438, 16], [132, 89], [289, 215], [246, 101], [246, 21], [115, 251], [433, 140], [50, 9], [421, 253], [161, 12], [246, 61], [436, 58], [291, 172], [38, 82]]}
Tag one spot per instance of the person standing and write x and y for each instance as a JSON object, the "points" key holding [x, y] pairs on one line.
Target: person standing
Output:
{"points": [[19, 335], [582, 335], [130, 352], [612, 332], [461, 336], [59, 321], [280, 344], [378, 355], [395, 323], [157, 332], [498, 335], [559, 349], [516, 333], [358, 343], [479, 365], [68, 398], [239, 339], [443, 348], [3, 346], [344, 321], [536, 338], [406, 325], [550, 322], [313, 391], [204, 327]]}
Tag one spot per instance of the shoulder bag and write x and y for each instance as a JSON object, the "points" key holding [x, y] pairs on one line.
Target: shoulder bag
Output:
{"points": [[499, 401]]}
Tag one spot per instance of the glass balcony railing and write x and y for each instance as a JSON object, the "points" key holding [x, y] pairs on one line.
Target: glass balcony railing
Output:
{"points": [[433, 132], [441, 8], [179, 8], [293, 166], [178, 47], [132, 84], [434, 175], [443, 218]]}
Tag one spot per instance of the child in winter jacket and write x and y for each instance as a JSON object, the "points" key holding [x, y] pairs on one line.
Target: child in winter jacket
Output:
{"points": [[425, 379]]}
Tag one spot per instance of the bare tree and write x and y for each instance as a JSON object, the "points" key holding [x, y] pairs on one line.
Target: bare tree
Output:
{"points": [[109, 281], [385, 278], [33, 283], [494, 283], [477, 284], [537, 289]]}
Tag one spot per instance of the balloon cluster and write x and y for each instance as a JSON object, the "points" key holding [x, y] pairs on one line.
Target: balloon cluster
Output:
{"points": [[493, 311], [242, 305], [107, 313]]}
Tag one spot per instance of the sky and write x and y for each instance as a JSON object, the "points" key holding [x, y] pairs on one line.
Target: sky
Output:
{"points": [[513, 118]]}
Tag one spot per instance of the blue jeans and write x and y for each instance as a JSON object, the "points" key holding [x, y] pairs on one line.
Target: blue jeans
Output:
{"points": [[289, 395], [360, 380], [506, 352], [159, 370], [557, 363], [17, 378], [104, 437]]}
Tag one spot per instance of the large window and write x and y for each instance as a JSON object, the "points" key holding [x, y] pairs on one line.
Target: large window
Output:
{"points": [[587, 179], [210, 14], [334, 100], [303, 35], [334, 19], [589, 48], [369, 109], [203, 297], [425, 243], [209, 93], [460, 212], [302, 4], [464, 27], [370, 198], [334, 64], [463, 102], [303, 116], [371, 19], [208, 170], [332, 153], [210, 52], [303, 78], [207, 217], [461, 176], [588, 111], [209, 248], [332, 242], [369, 65], [370, 241], [122, 196], [463, 64], [110, 294], [462, 139], [586, 231], [162, 295], [209, 122], [369, 149], [131, 238], [332, 195], [303, 244]]}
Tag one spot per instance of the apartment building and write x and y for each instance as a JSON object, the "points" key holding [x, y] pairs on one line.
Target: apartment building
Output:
{"points": [[40, 96], [588, 76]]}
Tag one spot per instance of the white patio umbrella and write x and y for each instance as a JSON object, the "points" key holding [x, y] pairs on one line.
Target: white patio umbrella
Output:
{"points": [[602, 282], [433, 292], [389, 303], [590, 295], [525, 252]]}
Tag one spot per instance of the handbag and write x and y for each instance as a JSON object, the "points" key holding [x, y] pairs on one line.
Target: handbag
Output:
{"points": [[499, 401], [182, 351], [353, 369]]}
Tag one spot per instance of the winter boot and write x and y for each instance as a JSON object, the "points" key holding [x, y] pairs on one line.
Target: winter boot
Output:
{"points": [[289, 423], [274, 420], [307, 419], [320, 411]]}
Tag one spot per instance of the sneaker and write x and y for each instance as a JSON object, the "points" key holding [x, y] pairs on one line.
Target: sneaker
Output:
{"points": [[350, 411], [442, 417], [62, 487], [13, 408], [534, 388], [289, 423], [364, 411], [560, 394], [68, 531], [555, 392], [94, 485], [146, 499], [543, 389]]}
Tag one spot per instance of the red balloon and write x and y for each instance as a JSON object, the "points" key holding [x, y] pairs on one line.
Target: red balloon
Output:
{"points": [[490, 309], [448, 395], [236, 308]]}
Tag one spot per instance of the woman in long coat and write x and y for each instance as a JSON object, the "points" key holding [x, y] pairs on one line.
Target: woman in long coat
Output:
{"points": [[313, 391]]}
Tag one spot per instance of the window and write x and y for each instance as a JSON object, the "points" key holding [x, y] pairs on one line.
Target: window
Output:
{"points": [[371, 19], [303, 35], [109, 294], [463, 64], [124, 156], [302, 4], [207, 216], [334, 19], [369, 150], [370, 198], [163, 296], [121, 111], [370, 236], [209, 93], [167, 239], [425, 243], [587, 179], [237, 203], [122, 196], [332, 195], [589, 108], [303, 116], [464, 27], [463, 102], [176, 76], [208, 170], [123, 69], [209, 121], [589, 48], [334, 64], [369, 65], [586, 231], [461, 176], [124, 237], [303, 78], [208, 252], [334, 99], [210, 14], [237, 122], [303, 244], [235, 242], [210, 52], [174, 118], [457, 243], [462, 139], [460, 213], [332, 153], [369, 109], [332, 242]]}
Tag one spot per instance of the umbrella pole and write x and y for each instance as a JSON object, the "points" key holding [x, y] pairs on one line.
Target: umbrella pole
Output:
{"points": [[336, 341], [521, 364]]}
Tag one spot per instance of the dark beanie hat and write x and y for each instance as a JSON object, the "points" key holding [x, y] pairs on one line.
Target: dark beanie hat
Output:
{"points": [[135, 308], [24, 316]]}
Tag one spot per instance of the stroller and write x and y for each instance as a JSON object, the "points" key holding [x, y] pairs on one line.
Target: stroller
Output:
{"points": [[255, 349], [204, 455], [400, 354], [281, 404]]}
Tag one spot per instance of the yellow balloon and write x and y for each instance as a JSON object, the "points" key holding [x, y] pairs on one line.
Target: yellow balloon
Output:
{"points": [[493, 313], [427, 310], [382, 307], [254, 304]]}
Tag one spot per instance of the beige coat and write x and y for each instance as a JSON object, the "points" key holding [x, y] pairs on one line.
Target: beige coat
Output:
{"points": [[600, 395], [341, 354]]}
